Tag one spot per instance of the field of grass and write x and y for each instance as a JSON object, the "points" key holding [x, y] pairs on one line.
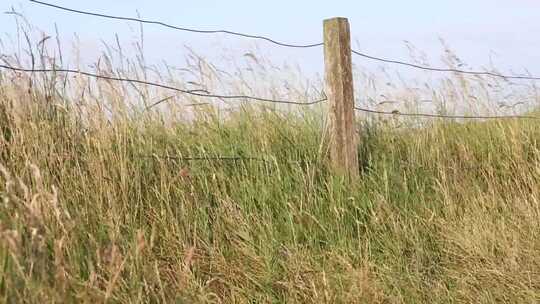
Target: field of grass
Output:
{"points": [[449, 213], [98, 203]]}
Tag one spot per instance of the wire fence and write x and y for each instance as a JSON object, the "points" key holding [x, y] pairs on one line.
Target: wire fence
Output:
{"points": [[154, 84], [232, 159], [177, 27], [203, 158], [403, 63], [205, 94], [426, 68], [427, 115]]}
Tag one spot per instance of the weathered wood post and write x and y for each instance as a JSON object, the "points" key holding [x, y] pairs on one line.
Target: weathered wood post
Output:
{"points": [[340, 92]]}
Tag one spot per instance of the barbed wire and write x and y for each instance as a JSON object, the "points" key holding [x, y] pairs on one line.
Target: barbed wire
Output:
{"points": [[484, 73], [442, 69], [202, 158], [208, 158], [177, 27], [397, 113], [204, 93], [197, 93], [234, 159], [184, 91]]}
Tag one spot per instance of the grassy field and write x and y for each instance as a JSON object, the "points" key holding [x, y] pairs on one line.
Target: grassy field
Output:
{"points": [[99, 204], [447, 213]]}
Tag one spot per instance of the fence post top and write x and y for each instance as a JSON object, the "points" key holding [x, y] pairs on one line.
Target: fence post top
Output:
{"points": [[334, 19]]}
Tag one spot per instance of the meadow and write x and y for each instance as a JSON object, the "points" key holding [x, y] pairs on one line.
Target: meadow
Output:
{"points": [[104, 200]]}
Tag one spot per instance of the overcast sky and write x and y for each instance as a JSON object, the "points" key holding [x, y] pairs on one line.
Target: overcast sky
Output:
{"points": [[506, 33]]}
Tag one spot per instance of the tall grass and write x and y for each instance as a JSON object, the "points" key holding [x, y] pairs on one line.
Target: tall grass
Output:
{"points": [[98, 203]]}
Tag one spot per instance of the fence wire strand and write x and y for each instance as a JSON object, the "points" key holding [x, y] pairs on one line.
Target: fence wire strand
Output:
{"points": [[443, 70], [397, 113], [224, 159], [398, 62], [208, 159], [197, 93], [177, 27], [184, 91], [203, 93]]}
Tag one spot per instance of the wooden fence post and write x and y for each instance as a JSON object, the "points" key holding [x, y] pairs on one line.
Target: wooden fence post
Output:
{"points": [[340, 92]]}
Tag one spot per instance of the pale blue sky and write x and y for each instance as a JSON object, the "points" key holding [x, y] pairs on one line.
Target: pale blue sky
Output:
{"points": [[504, 32]]}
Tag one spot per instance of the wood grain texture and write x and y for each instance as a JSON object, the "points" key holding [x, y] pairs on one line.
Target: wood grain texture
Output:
{"points": [[340, 92]]}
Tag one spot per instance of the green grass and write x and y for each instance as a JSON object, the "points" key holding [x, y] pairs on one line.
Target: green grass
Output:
{"points": [[92, 210]]}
